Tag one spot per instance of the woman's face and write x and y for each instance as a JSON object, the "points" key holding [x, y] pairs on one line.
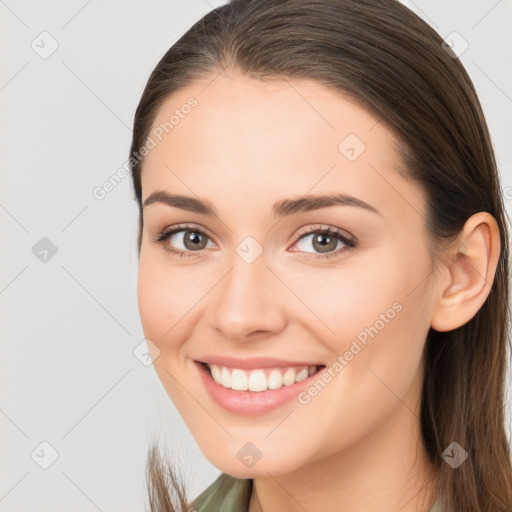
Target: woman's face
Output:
{"points": [[261, 279]]}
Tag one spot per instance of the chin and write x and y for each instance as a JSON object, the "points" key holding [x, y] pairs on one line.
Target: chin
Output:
{"points": [[246, 460]]}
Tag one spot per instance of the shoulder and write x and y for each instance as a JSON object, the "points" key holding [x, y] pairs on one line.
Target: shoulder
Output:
{"points": [[436, 507], [226, 491]]}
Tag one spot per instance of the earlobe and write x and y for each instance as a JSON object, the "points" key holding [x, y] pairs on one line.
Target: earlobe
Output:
{"points": [[470, 270]]}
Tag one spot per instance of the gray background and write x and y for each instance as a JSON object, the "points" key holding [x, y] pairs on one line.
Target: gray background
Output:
{"points": [[69, 324]]}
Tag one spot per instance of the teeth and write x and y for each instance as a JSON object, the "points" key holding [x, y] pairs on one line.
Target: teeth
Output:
{"points": [[239, 380], [289, 377], [274, 380], [258, 380], [215, 372], [225, 378], [303, 374]]}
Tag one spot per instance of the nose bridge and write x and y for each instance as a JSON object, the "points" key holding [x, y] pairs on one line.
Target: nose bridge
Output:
{"points": [[247, 300]]}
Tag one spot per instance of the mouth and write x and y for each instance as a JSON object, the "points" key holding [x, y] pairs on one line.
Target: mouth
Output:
{"points": [[255, 391], [261, 379]]}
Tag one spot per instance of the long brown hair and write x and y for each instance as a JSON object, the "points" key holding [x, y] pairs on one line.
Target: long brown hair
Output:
{"points": [[394, 64]]}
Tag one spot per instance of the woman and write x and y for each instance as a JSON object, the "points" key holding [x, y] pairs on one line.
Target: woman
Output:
{"points": [[323, 262]]}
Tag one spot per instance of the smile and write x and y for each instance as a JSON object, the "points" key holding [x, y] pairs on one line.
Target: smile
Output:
{"points": [[255, 391], [260, 379]]}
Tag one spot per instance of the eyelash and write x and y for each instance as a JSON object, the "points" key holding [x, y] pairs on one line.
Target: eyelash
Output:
{"points": [[165, 234]]}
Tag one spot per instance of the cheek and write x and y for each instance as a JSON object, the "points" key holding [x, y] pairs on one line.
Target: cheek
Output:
{"points": [[384, 324], [163, 308], [171, 301], [344, 301], [374, 313], [162, 301]]}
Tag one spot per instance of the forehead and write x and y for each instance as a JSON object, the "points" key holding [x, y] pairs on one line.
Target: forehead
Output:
{"points": [[279, 136]]}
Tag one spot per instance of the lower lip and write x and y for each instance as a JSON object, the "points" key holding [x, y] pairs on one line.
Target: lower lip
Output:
{"points": [[251, 403]]}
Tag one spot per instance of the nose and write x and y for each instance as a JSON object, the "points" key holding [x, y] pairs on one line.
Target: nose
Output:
{"points": [[249, 302]]}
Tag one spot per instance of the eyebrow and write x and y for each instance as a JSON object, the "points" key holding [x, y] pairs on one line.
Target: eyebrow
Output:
{"points": [[280, 208]]}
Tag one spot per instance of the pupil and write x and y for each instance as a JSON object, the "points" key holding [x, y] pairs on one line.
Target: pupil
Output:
{"points": [[324, 240], [193, 238]]}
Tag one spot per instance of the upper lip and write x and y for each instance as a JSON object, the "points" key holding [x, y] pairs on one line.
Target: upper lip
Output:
{"points": [[254, 362]]}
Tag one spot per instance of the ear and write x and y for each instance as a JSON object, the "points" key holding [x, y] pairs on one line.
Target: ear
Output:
{"points": [[469, 272]]}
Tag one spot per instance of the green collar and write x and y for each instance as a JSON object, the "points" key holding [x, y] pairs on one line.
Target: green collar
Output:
{"points": [[231, 494]]}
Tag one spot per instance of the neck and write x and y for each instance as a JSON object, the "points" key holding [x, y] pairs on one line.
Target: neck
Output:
{"points": [[386, 470]]}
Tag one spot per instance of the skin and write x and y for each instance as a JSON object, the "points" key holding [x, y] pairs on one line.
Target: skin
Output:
{"points": [[247, 144]]}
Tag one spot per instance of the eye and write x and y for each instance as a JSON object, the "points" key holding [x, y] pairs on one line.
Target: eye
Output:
{"points": [[188, 238], [325, 240], [185, 240]]}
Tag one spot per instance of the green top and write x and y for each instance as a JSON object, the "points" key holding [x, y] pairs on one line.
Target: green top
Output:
{"points": [[229, 494]]}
